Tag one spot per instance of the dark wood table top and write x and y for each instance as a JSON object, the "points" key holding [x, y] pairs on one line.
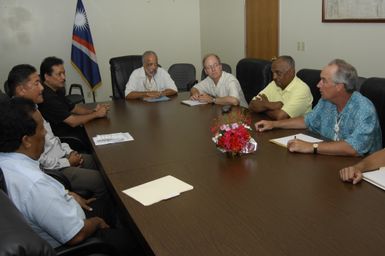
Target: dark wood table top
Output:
{"points": [[270, 202]]}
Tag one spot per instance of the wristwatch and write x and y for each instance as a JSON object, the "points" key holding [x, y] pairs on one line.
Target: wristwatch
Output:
{"points": [[214, 100], [315, 148]]}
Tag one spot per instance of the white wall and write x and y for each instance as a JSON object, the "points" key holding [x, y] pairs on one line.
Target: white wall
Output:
{"points": [[32, 30], [223, 30], [361, 44], [180, 31]]}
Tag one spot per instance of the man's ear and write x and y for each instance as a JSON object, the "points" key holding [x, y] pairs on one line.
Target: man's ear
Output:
{"points": [[19, 90], [26, 142]]}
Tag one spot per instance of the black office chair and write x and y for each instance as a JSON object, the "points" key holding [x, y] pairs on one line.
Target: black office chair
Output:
{"points": [[374, 89], [121, 69], [253, 75], [311, 77], [184, 75], [75, 98], [225, 67], [18, 238], [3, 97]]}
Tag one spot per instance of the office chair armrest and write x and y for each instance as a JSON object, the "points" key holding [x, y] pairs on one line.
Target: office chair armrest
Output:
{"points": [[191, 84], [77, 86], [75, 143], [59, 176], [90, 246]]}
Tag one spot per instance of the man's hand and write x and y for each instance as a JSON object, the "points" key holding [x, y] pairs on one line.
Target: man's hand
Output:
{"points": [[205, 98], [351, 174], [153, 94], [101, 110], [75, 159], [264, 125], [195, 96], [84, 203], [299, 146]]}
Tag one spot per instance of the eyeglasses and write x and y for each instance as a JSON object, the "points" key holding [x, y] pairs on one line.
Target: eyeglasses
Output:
{"points": [[211, 67]]}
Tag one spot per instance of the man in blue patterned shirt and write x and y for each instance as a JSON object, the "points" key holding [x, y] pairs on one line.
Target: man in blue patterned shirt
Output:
{"points": [[343, 115]]}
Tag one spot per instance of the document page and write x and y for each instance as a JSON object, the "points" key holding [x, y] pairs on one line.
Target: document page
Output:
{"points": [[161, 98], [112, 138], [376, 177], [284, 140], [192, 103], [158, 190]]}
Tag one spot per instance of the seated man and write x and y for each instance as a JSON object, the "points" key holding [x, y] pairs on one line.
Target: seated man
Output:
{"points": [[65, 118], [52, 212], [150, 81], [353, 173], [286, 96], [80, 169], [342, 115], [218, 87]]}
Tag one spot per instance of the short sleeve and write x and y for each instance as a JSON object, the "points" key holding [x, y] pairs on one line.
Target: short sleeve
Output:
{"points": [[299, 102], [54, 211]]}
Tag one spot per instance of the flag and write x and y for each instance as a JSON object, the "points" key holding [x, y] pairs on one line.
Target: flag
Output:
{"points": [[83, 55]]}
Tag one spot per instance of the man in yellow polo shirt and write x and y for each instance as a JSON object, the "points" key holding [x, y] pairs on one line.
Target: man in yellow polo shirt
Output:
{"points": [[286, 96]]}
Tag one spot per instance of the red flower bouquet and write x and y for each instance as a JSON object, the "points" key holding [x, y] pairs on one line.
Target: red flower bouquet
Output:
{"points": [[232, 134]]}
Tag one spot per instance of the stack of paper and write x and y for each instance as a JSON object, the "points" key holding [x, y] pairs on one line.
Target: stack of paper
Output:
{"points": [[158, 190], [284, 140], [376, 177], [112, 138], [193, 102], [161, 98]]}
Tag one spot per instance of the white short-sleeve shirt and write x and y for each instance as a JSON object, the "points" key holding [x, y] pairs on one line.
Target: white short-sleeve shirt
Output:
{"points": [[139, 82]]}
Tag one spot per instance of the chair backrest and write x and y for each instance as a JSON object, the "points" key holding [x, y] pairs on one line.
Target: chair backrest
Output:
{"points": [[374, 89], [121, 69], [3, 185], [253, 75], [311, 77], [183, 74], [6, 88], [3, 97], [225, 67]]}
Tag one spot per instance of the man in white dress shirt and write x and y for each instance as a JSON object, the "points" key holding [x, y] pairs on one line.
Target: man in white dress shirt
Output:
{"points": [[150, 81], [218, 87]]}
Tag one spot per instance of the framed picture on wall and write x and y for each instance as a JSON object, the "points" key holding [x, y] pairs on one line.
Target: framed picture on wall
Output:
{"points": [[353, 10]]}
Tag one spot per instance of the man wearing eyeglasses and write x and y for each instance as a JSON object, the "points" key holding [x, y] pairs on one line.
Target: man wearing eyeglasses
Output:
{"points": [[342, 115], [218, 87], [150, 81], [286, 96]]}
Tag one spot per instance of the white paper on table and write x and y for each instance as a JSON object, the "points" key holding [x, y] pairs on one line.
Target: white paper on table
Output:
{"points": [[112, 138], [376, 177], [192, 103], [158, 190], [284, 140]]}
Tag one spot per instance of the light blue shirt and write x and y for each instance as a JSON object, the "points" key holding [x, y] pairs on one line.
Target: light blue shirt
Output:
{"points": [[43, 201], [357, 124]]}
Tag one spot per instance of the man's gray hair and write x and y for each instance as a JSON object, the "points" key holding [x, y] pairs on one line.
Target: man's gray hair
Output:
{"points": [[346, 74], [146, 53], [288, 59]]}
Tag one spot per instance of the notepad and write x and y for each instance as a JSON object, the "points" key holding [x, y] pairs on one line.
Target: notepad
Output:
{"points": [[157, 190], [161, 98], [112, 138], [284, 140], [376, 177], [192, 103]]}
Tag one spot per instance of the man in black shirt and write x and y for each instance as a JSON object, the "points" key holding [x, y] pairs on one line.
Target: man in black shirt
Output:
{"points": [[64, 117]]}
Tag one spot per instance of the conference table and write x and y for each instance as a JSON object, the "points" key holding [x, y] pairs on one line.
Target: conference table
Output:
{"points": [[270, 202]]}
